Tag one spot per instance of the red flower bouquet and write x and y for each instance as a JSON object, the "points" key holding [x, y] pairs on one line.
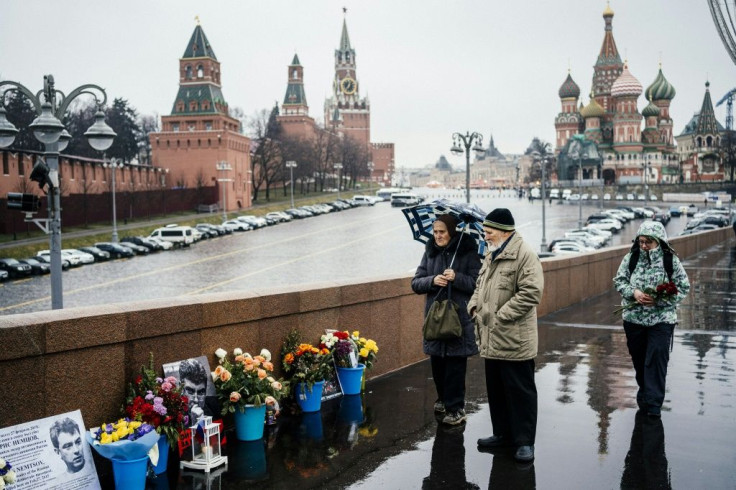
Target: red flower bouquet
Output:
{"points": [[658, 293], [158, 402]]}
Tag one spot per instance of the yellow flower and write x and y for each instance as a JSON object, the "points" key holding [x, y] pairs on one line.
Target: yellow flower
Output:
{"points": [[105, 438], [356, 334], [363, 352]]}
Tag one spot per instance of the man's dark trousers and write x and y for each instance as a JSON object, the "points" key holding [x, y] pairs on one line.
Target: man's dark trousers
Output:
{"points": [[512, 397]]}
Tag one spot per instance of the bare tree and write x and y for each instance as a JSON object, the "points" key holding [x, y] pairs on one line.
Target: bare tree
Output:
{"points": [[325, 154], [200, 182], [180, 181], [266, 158]]}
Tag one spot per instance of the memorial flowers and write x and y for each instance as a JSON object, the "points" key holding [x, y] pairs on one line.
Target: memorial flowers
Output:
{"points": [[245, 380], [342, 347], [305, 363], [367, 349], [658, 293], [123, 440], [158, 402], [7, 474]]}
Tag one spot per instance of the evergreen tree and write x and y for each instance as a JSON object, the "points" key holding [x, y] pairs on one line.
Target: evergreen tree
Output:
{"points": [[21, 113]]}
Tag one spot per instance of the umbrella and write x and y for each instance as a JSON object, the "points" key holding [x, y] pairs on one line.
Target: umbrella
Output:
{"points": [[469, 216]]}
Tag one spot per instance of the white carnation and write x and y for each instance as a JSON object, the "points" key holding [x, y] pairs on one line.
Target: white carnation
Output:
{"points": [[221, 353], [238, 351]]}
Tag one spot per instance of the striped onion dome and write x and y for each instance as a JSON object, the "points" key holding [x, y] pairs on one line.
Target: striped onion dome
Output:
{"points": [[650, 110], [626, 85], [569, 89], [593, 109], [660, 89]]}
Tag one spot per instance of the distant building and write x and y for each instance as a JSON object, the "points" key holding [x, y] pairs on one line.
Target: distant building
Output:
{"points": [[613, 145], [200, 135], [700, 145]]}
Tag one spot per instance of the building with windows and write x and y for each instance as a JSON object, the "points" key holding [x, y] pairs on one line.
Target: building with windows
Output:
{"points": [[199, 142]]}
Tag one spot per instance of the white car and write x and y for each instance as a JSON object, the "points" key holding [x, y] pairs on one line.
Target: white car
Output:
{"points": [[598, 231], [648, 213], [278, 216], [73, 260], [164, 244], [365, 200], [574, 197], [606, 197], [588, 238], [610, 224], [569, 248], [84, 257]]}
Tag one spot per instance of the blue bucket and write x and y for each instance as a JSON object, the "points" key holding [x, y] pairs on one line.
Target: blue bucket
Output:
{"points": [[311, 425], [351, 409], [163, 455], [309, 401], [130, 474], [350, 379], [249, 423]]}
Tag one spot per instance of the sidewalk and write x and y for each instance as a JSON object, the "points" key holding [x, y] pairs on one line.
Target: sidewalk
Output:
{"points": [[589, 435]]}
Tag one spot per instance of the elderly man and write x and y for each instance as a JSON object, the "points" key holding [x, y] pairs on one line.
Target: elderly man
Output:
{"points": [[509, 288]]}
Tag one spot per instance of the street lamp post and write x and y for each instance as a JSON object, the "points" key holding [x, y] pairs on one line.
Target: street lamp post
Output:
{"points": [[370, 166], [645, 170], [291, 165], [338, 168], [113, 165], [577, 153], [467, 140], [224, 167], [542, 159], [47, 129]]}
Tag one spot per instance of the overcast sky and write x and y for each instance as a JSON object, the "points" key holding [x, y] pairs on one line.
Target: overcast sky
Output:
{"points": [[429, 67]]}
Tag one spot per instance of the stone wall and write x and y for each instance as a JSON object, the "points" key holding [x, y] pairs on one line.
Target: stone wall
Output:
{"points": [[57, 361]]}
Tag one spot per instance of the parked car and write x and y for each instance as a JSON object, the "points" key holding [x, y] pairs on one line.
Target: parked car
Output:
{"points": [[206, 230], [610, 224], [574, 197], [180, 236], [115, 250], [663, 218], [676, 211], [37, 267], [137, 249], [84, 257], [606, 197], [563, 241], [619, 197], [279, 216], [643, 212], [74, 261], [99, 255], [630, 197], [365, 200], [15, 269], [46, 259], [237, 225], [569, 248], [141, 241], [3, 275], [162, 243]]}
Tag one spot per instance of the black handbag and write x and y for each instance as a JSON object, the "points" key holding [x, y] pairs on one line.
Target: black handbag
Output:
{"points": [[442, 321]]}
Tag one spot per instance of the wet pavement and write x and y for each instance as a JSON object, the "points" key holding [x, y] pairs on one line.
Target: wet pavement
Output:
{"points": [[589, 434]]}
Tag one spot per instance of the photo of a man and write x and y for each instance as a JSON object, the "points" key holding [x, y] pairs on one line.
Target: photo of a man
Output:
{"points": [[193, 378], [67, 441]]}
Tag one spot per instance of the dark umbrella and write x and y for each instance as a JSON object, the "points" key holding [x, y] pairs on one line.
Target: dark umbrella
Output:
{"points": [[469, 216]]}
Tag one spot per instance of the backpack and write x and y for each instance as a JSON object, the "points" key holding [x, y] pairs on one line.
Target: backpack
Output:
{"points": [[667, 258]]}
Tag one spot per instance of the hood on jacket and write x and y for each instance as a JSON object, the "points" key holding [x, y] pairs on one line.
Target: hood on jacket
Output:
{"points": [[653, 229], [467, 244]]}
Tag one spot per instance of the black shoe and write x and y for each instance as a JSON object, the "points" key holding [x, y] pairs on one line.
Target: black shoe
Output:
{"points": [[493, 441], [524, 454]]}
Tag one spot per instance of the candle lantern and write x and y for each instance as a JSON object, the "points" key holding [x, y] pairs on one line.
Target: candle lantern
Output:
{"points": [[205, 439]]}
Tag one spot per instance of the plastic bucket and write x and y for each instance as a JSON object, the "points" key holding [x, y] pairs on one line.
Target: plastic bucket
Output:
{"points": [[309, 401], [311, 425], [350, 379], [351, 409], [249, 423], [163, 455], [130, 474]]}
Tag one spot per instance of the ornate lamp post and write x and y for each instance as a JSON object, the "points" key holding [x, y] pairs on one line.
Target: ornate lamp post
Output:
{"points": [[291, 165], [577, 154], [467, 140], [542, 159], [338, 169], [113, 165], [370, 166], [224, 167], [47, 129], [645, 165]]}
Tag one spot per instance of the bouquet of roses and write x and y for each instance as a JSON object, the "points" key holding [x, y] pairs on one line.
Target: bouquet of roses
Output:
{"points": [[304, 363], [7, 475], [342, 347], [367, 349], [157, 402], [662, 291], [246, 380], [125, 439]]}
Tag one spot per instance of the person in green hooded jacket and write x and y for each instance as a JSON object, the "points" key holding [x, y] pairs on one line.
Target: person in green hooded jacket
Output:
{"points": [[650, 317]]}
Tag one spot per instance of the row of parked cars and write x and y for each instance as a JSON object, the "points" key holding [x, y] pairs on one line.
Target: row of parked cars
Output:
{"points": [[600, 227], [709, 219], [166, 238]]}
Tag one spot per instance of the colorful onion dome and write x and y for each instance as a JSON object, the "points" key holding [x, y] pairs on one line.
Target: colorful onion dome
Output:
{"points": [[569, 89], [593, 109], [650, 110], [626, 85], [660, 89]]}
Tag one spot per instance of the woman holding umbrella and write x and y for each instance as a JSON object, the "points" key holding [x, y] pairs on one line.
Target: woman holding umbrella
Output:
{"points": [[449, 258]]}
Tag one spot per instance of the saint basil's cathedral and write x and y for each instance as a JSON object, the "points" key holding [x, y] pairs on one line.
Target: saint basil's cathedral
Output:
{"points": [[604, 138]]}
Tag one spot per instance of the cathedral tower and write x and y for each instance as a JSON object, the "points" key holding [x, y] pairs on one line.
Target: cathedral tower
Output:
{"points": [[608, 67]]}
